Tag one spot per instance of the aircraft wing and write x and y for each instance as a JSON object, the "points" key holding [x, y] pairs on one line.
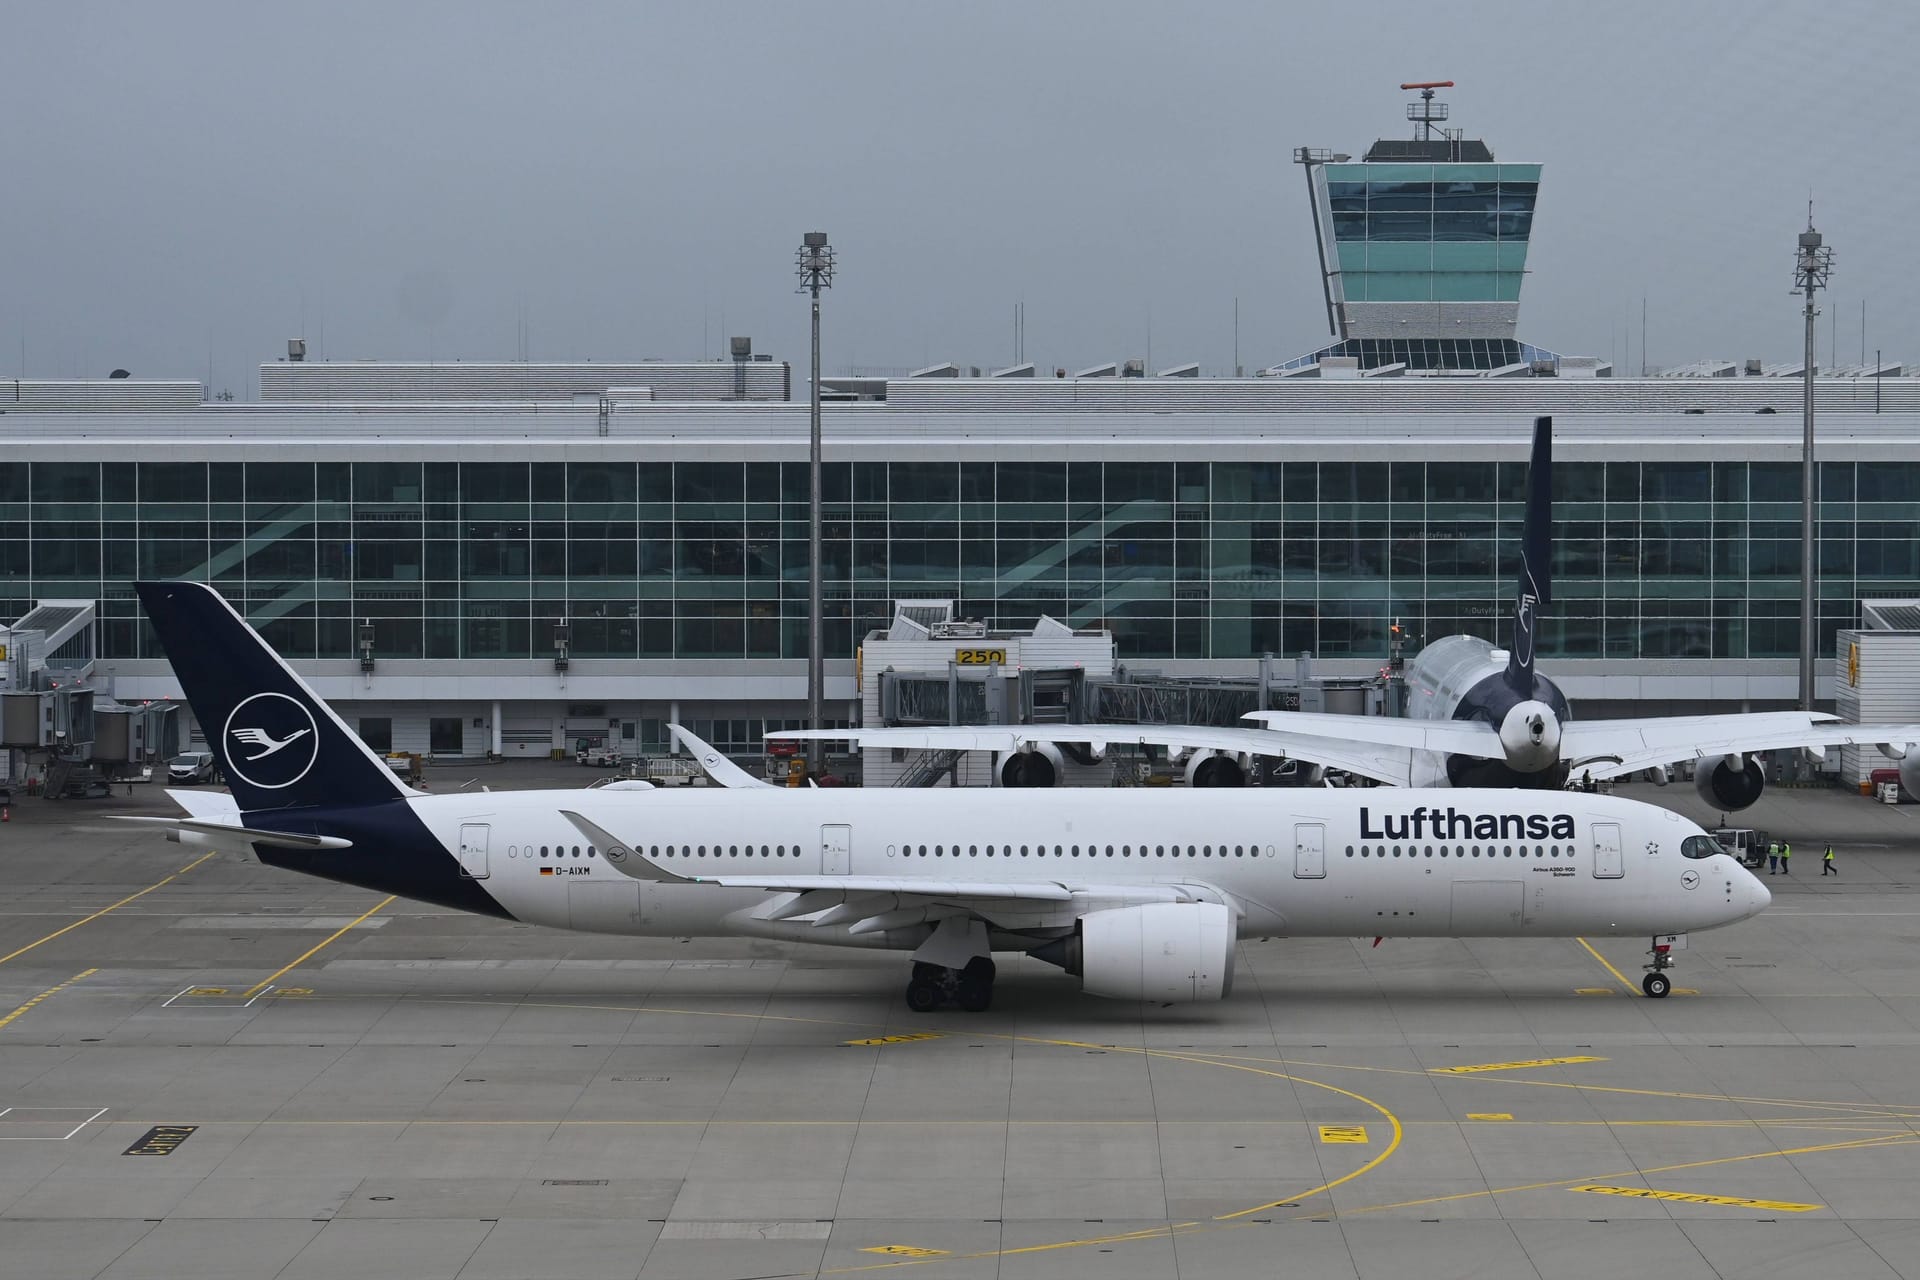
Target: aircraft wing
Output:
{"points": [[1444, 737], [1612, 748], [718, 767], [1383, 762], [877, 904]]}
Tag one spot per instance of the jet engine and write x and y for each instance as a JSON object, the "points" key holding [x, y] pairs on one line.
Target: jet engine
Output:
{"points": [[1530, 735], [1035, 764], [1729, 782], [1165, 951], [1907, 755], [1215, 769]]}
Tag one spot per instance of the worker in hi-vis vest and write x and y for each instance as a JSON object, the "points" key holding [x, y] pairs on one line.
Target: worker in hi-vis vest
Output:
{"points": [[1826, 863], [1786, 851]]}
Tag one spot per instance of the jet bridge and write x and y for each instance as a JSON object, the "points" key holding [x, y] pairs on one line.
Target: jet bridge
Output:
{"points": [[52, 713]]}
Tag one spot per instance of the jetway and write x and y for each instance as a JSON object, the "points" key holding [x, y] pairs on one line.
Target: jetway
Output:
{"points": [[930, 669], [54, 720]]}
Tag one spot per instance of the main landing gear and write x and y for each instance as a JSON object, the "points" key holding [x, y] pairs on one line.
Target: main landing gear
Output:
{"points": [[1657, 984], [935, 985]]}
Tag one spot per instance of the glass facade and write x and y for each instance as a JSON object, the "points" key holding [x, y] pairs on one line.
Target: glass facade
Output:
{"points": [[1428, 353], [1431, 232], [1226, 560]]}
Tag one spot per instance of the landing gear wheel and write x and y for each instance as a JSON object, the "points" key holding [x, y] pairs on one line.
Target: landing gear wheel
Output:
{"points": [[974, 996], [922, 996], [1656, 985]]}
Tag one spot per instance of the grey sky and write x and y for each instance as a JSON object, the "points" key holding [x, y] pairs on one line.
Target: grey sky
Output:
{"points": [[406, 180]]}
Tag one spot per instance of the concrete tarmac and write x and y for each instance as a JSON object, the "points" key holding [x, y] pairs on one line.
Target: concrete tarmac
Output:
{"points": [[209, 1068]]}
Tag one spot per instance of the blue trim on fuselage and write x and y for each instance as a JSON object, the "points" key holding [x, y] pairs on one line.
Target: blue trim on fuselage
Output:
{"points": [[393, 852]]}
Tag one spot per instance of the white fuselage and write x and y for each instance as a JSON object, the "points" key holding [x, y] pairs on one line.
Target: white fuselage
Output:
{"points": [[1301, 862], [1438, 677]]}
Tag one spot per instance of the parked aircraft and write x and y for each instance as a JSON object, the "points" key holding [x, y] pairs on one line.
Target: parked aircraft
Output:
{"points": [[1139, 896], [1478, 716]]}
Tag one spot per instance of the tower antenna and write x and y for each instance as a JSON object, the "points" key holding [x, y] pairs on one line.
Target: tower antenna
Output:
{"points": [[1426, 112]]}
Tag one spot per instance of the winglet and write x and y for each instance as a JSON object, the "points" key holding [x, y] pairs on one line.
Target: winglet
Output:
{"points": [[620, 855], [718, 767], [1536, 560]]}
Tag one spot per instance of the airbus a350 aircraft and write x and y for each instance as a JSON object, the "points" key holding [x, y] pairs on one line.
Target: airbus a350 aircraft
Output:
{"points": [[1140, 896], [1478, 716]]}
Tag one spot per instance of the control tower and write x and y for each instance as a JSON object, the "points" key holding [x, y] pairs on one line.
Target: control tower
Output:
{"points": [[1423, 247]]}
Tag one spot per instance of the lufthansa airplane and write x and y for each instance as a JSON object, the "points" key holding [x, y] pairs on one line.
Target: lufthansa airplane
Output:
{"points": [[1478, 716], [1139, 896]]}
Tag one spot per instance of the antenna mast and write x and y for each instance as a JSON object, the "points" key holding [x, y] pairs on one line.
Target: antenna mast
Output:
{"points": [[1426, 112]]}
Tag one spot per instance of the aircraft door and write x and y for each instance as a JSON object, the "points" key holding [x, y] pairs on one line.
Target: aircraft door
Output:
{"points": [[836, 850], [1309, 850], [1607, 864], [473, 850]]}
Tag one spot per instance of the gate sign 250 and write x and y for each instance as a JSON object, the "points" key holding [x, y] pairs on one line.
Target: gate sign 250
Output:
{"points": [[980, 657]]}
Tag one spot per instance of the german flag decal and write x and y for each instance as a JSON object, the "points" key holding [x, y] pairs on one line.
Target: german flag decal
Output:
{"points": [[546, 871]]}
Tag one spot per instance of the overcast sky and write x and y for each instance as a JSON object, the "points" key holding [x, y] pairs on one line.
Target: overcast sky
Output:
{"points": [[189, 184]]}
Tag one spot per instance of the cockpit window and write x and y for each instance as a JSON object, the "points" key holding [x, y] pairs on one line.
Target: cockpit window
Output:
{"points": [[1700, 847]]}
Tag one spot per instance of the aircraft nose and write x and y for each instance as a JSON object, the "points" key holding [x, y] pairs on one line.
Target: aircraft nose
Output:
{"points": [[1759, 897]]}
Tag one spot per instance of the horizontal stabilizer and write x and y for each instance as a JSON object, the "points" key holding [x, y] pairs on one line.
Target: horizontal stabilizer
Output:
{"points": [[254, 835]]}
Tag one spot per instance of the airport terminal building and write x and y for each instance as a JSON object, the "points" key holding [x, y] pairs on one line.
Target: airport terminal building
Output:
{"points": [[512, 558]]}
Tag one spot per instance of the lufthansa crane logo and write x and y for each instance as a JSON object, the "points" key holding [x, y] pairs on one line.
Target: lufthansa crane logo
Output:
{"points": [[271, 741], [1689, 879]]}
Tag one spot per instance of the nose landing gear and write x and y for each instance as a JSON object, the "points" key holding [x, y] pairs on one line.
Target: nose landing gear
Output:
{"points": [[932, 986], [1657, 984]]}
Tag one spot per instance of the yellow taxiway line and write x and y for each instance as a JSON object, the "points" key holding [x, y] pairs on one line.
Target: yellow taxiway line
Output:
{"points": [[104, 910], [1631, 989], [50, 991], [267, 981]]}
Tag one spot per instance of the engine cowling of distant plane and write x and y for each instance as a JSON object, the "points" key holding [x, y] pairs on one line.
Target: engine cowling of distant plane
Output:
{"points": [[1164, 951], [1906, 756], [1215, 769], [1038, 764], [1530, 735], [1729, 782]]}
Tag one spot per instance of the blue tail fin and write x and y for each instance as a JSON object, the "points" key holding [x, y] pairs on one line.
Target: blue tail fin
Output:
{"points": [[1536, 560], [278, 744]]}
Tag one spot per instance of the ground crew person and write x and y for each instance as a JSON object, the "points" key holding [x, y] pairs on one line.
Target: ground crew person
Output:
{"points": [[1786, 851], [1826, 863], [1773, 857]]}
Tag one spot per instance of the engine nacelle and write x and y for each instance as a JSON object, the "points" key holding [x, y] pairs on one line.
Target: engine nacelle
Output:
{"points": [[1036, 764], [1164, 951], [1215, 769], [1729, 782], [1530, 736], [1907, 756]]}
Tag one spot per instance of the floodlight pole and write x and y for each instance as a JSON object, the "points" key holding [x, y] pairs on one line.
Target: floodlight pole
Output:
{"points": [[815, 266], [1813, 264]]}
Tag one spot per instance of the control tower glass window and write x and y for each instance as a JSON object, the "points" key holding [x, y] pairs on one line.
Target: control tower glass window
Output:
{"points": [[1431, 233]]}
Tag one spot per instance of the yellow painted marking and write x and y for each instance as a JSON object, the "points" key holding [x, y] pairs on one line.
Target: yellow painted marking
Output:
{"points": [[906, 1251], [904, 1038], [1893, 1140], [50, 991], [1618, 976], [1511, 1066], [104, 910], [267, 981], [1337, 1133], [1689, 1197], [1593, 991], [161, 1140], [205, 991], [292, 991], [1497, 1115]]}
